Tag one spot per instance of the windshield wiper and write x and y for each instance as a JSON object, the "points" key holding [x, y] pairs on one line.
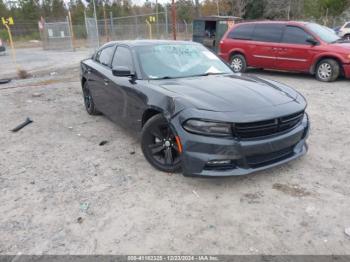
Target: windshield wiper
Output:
{"points": [[338, 41], [210, 74], [163, 77]]}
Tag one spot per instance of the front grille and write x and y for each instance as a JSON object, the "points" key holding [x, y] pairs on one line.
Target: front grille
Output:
{"points": [[267, 127], [270, 158]]}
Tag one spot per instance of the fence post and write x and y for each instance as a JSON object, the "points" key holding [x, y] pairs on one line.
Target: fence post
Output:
{"points": [[70, 32], [186, 30], [166, 22], [112, 26], [136, 28]]}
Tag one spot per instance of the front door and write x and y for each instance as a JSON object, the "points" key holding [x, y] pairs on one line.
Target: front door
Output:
{"points": [[295, 52], [128, 101]]}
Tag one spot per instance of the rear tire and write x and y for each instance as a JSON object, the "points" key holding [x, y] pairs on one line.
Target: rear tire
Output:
{"points": [[346, 37], [159, 145], [89, 101], [238, 63], [327, 70]]}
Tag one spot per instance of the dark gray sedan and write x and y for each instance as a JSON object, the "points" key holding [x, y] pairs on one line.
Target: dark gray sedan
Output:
{"points": [[192, 111]]}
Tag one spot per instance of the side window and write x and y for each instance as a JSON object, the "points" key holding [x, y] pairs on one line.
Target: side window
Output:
{"points": [[242, 32], [348, 25], [123, 57], [295, 35], [268, 32], [104, 56]]}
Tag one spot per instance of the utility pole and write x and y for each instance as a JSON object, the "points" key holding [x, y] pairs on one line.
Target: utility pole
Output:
{"points": [[218, 7], [197, 13], [173, 14]]}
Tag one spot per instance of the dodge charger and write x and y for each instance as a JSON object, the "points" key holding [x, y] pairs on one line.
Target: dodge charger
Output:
{"points": [[191, 111]]}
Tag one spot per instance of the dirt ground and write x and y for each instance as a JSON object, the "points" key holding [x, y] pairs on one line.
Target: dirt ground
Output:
{"points": [[62, 193]]}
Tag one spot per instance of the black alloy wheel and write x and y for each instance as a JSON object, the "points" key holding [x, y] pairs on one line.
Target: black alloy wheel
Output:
{"points": [[88, 101], [160, 145]]}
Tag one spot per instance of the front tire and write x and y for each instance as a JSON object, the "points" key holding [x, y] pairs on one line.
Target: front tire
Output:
{"points": [[346, 37], [238, 63], [327, 70], [159, 145], [89, 101]]}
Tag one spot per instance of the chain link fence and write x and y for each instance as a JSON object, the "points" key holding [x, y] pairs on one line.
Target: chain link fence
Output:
{"points": [[57, 35], [134, 27]]}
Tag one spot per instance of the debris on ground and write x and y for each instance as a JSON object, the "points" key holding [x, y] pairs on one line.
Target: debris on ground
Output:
{"points": [[80, 220], [347, 231], [132, 153], [102, 143], [37, 94], [84, 206], [23, 74], [292, 190], [5, 81], [53, 73], [32, 182], [195, 193], [20, 126]]}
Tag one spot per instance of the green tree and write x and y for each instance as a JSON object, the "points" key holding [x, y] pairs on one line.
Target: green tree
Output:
{"points": [[254, 9], [58, 10], [3, 9], [185, 10]]}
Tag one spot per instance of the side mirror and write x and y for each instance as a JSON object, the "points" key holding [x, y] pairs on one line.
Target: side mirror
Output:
{"points": [[312, 41], [122, 71]]}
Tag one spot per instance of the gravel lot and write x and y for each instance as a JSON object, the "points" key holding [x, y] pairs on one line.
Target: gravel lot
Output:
{"points": [[62, 193]]}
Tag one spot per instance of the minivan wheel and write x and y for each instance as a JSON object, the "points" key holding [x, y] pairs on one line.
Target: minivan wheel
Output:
{"points": [[327, 70], [159, 145], [88, 101], [347, 37], [238, 63]]}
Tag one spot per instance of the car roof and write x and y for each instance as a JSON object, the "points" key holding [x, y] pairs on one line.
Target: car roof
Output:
{"points": [[276, 22], [133, 43]]}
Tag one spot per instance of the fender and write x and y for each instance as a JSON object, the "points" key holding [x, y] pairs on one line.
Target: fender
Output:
{"points": [[321, 56]]}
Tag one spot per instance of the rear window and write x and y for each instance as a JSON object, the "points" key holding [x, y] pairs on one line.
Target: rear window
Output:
{"points": [[242, 32], [268, 32]]}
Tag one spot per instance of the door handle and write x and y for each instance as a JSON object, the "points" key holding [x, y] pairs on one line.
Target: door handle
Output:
{"points": [[106, 81]]}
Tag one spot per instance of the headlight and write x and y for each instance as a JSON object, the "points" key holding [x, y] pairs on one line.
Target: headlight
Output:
{"points": [[208, 128]]}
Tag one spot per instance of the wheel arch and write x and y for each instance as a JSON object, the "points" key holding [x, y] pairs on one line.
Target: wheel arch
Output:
{"points": [[320, 58], [239, 52], [149, 113]]}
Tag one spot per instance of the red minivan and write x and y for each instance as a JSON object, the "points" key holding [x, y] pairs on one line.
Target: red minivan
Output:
{"points": [[288, 46]]}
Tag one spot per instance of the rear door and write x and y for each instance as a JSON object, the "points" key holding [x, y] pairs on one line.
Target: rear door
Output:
{"points": [[295, 53], [266, 38]]}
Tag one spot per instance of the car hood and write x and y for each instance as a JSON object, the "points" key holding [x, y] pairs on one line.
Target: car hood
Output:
{"points": [[230, 92], [345, 46]]}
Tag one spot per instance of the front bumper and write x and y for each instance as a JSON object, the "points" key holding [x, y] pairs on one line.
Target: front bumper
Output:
{"points": [[247, 156], [346, 68]]}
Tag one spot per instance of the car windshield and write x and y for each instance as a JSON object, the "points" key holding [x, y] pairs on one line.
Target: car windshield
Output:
{"points": [[179, 60], [323, 32]]}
